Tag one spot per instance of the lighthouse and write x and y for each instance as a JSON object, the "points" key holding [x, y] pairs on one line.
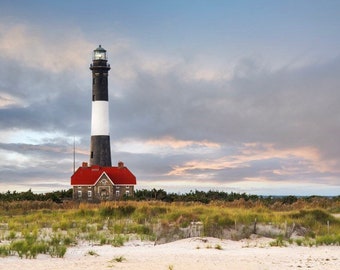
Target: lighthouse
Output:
{"points": [[100, 181], [100, 138]]}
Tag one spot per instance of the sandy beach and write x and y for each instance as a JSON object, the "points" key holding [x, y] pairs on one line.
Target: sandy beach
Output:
{"points": [[191, 253]]}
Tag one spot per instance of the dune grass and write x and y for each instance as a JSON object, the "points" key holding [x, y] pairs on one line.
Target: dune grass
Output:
{"points": [[28, 232]]}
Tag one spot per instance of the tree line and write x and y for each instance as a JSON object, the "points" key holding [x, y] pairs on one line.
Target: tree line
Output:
{"points": [[192, 196], [161, 195], [211, 195], [55, 196]]}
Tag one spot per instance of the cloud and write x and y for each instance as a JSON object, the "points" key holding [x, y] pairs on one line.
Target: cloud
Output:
{"points": [[176, 118], [289, 108], [164, 145], [30, 47], [261, 161]]}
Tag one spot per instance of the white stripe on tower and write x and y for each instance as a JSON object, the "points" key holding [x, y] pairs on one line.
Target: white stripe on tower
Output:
{"points": [[100, 118]]}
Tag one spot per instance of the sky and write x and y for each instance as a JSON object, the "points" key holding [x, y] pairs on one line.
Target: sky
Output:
{"points": [[235, 96]]}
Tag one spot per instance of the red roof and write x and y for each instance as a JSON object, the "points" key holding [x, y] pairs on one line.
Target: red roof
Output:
{"points": [[89, 175]]}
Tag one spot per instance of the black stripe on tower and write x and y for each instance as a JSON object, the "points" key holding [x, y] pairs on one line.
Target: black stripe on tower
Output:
{"points": [[100, 151], [100, 75]]}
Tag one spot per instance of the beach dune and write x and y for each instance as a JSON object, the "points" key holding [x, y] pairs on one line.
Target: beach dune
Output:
{"points": [[192, 253]]}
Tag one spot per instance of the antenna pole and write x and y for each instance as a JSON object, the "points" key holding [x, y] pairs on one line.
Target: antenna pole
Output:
{"points": [[74, 154]]}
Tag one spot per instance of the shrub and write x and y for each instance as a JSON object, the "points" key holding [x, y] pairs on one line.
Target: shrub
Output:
{"points": [[57, 247], [314, 215], [139, 229], [84, 212], [218, 246], [279, 242], [121, 211], [92, 253], [103, 240], [119, 259], [29, 247], [57, 251], [328, 240], [107, 211], [69, 240], [118, 241], [4, 251], [12, 235], [125, 210], [298, 241], [20, 247]]}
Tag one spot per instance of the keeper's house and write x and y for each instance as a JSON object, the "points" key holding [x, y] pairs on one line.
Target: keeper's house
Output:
{"points": [[96, 184]]}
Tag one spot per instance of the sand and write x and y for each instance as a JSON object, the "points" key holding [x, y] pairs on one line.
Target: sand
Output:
{"points": [[191, 253]]}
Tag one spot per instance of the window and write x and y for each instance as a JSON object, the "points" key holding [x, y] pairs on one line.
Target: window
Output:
{"points": [[94, 81], [127, 193], [92, 154], [89, 193], [79, 194], [117, 193]]}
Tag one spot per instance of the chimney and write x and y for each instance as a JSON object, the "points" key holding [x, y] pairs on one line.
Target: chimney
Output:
{"points": [[84, 164], [120, 164]]}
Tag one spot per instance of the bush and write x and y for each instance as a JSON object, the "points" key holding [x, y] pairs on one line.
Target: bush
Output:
{"points": [[107, 211], [29, 247], [12, 235], [316, 215], [125, 210], [279, 242], [119, 259], [20, 247], [113, 211], [218, 246], [57, 251], [5, 251], [328, 240], [118, 241]]}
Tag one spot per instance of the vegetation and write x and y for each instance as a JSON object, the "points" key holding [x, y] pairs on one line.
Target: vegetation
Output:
{"points": [[56, 196], [92, 253], [218, 246], [33, 224], [192, 196], [119, 259]]}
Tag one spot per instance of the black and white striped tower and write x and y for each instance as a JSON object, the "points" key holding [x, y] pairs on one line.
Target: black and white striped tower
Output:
{"points": [[100, 128]]}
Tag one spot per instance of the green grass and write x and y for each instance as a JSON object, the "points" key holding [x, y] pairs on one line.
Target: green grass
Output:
{"points": [[278, 242], [5, 251], [50, 231], [119, 259], [218, 247], [92, 253], [328, 240]]}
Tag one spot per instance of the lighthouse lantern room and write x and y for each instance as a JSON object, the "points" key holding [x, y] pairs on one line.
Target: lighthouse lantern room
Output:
{"points": [[99, 53]]}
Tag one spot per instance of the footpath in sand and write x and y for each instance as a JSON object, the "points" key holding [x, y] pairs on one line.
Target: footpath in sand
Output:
{"points": [[187, 254]]}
